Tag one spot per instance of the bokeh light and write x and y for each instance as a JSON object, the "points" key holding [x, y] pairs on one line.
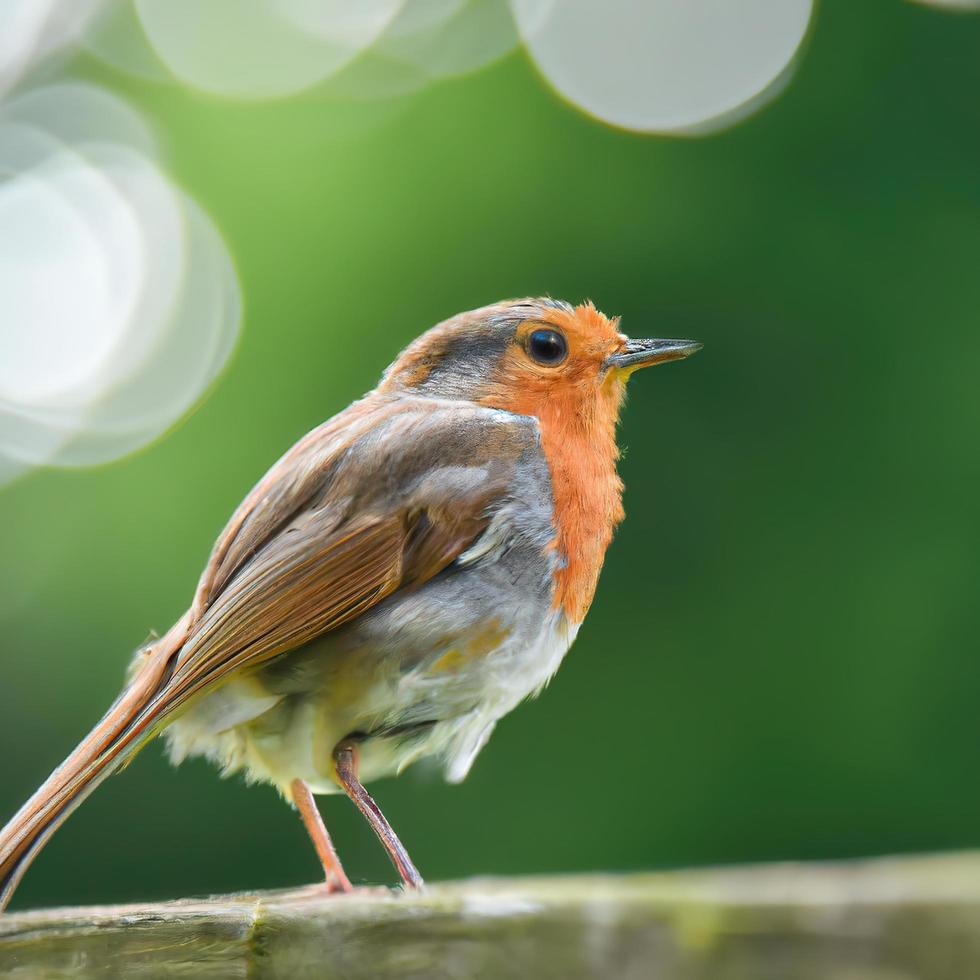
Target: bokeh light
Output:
{"points": [[30, 30], [116, 37], [261, 48], [120, 300], [658, 66], [966, 5], [280, 47], [466, 37], [663, 66], [427, 42]]}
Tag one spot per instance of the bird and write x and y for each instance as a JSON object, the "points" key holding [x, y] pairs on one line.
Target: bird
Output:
{"points": [[403, 577]]}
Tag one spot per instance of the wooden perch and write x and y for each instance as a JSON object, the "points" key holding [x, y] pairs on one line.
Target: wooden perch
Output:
{"points": [[911, 918]]}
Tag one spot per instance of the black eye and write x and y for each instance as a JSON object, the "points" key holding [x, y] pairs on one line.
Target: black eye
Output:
{"points": [[546, 347]]}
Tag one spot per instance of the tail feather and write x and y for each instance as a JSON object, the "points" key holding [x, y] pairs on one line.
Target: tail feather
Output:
{"points": [[124, 729]]}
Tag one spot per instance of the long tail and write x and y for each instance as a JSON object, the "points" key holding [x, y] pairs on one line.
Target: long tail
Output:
{"points": [[123, 730]]}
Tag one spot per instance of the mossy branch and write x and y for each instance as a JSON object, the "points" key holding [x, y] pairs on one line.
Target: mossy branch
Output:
{"points": [[885, 919]]}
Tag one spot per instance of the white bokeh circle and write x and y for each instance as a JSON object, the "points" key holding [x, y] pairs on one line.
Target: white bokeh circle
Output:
{"points": [[31, 30], [119, 300], [261, 48], [68, 287], [662, 65]]}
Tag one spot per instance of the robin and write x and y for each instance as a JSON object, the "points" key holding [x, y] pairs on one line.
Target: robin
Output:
{"points": [[409, 572]]}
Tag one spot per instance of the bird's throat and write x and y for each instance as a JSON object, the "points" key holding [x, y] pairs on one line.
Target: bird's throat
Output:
{"points": [[578, 436]]}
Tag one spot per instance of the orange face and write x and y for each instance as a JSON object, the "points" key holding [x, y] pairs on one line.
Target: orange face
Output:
{"points": [[558, 364]]}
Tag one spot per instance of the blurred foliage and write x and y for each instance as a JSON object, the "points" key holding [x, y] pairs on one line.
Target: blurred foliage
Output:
{"points": [[781, 661]]}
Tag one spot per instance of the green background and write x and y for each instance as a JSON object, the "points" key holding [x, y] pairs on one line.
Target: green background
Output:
{"points": [[782, 658]]}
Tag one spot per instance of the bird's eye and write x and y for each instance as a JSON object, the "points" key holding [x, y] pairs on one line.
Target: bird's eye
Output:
{"points": [[546, 347]]}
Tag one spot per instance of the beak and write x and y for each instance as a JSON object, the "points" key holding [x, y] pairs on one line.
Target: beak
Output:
{"points": [[643, 353]]}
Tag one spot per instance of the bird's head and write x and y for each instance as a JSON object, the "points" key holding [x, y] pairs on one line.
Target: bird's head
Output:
{"points": [[530, 356]]}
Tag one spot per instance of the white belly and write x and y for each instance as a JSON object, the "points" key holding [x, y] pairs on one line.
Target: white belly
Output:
{"points": [[242, 727]]}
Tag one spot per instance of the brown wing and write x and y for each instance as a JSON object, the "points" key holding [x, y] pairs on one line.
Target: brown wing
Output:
{"points": [[342, 521]]}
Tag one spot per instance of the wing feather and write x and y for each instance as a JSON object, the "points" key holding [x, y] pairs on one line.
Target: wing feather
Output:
{"points": [[335, 528]]}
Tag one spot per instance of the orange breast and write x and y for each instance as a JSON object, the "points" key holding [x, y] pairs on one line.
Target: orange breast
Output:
{"points": [[577, 407], [582, 453], [578, 436]]}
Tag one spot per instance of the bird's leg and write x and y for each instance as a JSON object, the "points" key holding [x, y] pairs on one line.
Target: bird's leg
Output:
{"points": [[345, 760], [333, 870]]}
